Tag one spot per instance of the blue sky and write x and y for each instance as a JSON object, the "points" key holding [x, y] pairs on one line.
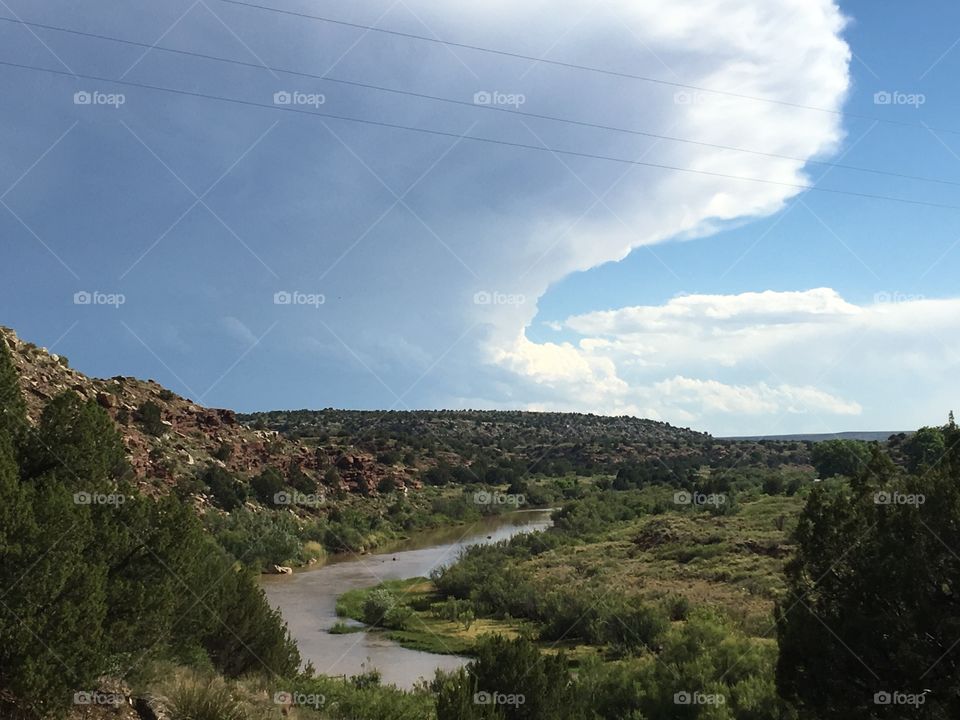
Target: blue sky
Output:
{"points": [[725, 305]]}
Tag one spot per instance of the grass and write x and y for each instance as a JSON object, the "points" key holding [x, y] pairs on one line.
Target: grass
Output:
{"points": [[201, 696], [424, 631], [730, 562], [188, 694], [733, 563], [342, 628]]}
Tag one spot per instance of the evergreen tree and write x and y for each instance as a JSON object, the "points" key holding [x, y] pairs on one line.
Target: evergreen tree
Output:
{"points": [[872, 603], [840, 457], [95, 578], [13, 412], [924, 449], [76, 444]]}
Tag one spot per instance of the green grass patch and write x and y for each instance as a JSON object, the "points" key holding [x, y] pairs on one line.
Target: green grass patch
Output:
{"points": [[342, 628], [423, 630]]}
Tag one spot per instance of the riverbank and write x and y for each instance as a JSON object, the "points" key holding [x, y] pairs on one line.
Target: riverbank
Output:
{"points": [[451, 635], [666, 565], [307, 599], [435, 626]]}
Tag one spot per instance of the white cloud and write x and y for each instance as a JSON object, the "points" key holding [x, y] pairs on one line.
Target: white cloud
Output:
{"points": [[484, 217], [710, 396], [725, 361], [788, 50], [515, 221], [750, 308], [560, 365]]}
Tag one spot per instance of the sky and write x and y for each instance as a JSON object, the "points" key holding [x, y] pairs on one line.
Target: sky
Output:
{"points": [[261, 239]]}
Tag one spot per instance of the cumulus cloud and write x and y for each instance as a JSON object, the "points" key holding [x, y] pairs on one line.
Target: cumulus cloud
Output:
{"points": [[710, 396], [732, 360], [543, 216], [750, 308], [747, 47]]}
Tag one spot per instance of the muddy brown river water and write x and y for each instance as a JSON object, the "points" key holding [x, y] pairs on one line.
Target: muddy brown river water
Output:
{"points": [[308, 599]]}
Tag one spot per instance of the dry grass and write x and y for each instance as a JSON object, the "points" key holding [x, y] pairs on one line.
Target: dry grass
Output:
{"points": [[733, 563]]}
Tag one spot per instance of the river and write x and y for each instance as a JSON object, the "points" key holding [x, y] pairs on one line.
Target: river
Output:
{"points": [[308, 599]]}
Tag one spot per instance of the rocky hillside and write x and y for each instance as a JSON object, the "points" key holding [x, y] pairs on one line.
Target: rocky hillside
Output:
{"points": [[548, 442], [169, 437], [498, 444]]}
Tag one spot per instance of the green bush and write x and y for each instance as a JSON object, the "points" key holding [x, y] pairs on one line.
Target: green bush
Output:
{"points": [[226, 489], [398, 617], [150, 418], [129, 577], [224, 452], [840, 457], [266, 485], [376, 605], [365, 698], [258, 539], [299, 480], [677, 607], [199, 698]]}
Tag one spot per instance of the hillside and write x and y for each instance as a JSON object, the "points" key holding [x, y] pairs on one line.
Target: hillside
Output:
{"points": [[169, 437], [552, 444], [693, 534]]}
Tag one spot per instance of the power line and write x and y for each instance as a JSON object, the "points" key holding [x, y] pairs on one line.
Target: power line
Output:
{"points": [[465, 103], [588, 68], [475, 138]]}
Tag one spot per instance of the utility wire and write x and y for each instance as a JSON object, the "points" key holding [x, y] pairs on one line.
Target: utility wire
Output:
{"points": [[588, 68], [466, 103], [475, 138]]}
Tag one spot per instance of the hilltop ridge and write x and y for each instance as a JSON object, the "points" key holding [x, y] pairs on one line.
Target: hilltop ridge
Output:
{"points": [[171, 439], [168, 436]]}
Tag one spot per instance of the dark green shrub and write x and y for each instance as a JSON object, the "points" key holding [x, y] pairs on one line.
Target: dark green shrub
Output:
{"points": [[224, 452], [229, 492], [150, 418], [266, 485]]}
